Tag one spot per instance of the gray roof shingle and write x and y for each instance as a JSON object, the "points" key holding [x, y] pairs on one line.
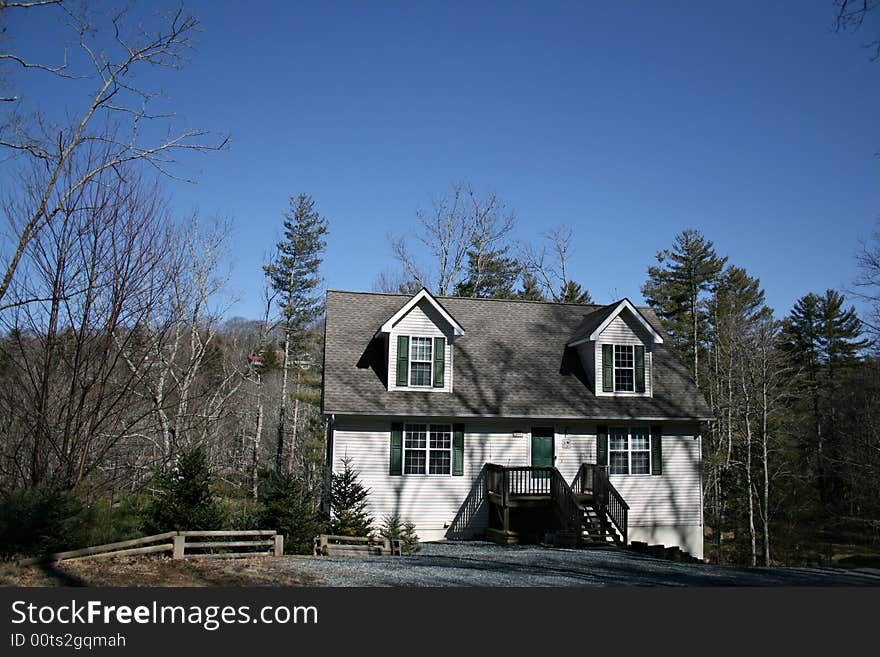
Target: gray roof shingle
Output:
{"points": [[511, 362]]}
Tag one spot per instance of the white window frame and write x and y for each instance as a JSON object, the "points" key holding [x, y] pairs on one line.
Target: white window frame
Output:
{"points": [[411, 360], [629, 450], [632, 369], [429, 429]]}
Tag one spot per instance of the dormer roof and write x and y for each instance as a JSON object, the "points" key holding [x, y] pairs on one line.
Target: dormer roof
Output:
{"points": [[597, 321], [422, 295]]}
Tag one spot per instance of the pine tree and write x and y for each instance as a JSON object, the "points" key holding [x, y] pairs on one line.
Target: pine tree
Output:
{"points": [[348, 503], [572, 292], [531, 289], [737, 296], [395, 529], [676, 289], [184, 499], [490, 275], [821, 339], [294, 276], [287, 506]]}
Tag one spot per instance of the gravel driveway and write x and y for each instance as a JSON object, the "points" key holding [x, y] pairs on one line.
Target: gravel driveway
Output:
{"points": [[472, 563]]}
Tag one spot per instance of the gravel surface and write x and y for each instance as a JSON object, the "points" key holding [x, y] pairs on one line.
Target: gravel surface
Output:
{"points": [[472, 563]]}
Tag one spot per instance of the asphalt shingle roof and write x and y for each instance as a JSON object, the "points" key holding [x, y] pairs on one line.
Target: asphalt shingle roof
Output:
{"points": [[591, 322], [511, 362]]}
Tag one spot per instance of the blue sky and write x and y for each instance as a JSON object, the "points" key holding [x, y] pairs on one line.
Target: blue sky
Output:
{"points": [[751, 121]]}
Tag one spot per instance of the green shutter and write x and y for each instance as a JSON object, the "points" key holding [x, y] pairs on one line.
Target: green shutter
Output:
{"points": [[439, 361], [396, 449], [602, 446], [640, 368], [402, 360], [607, 368], [656, 451], [457, 450]]}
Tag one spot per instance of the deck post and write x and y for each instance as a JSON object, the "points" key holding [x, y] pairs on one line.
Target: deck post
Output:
{"points": [[279, 545], [179, 546]]}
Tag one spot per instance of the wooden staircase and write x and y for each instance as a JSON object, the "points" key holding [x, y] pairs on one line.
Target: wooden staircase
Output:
{"points": [[589, 512], [596, 529]]}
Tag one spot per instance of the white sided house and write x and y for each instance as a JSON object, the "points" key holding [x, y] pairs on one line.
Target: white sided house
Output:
{"points": [[515, 419]]}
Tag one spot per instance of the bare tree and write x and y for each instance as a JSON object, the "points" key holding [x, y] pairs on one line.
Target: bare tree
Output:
{"points": [[99, 272], [867, 285], [182, 339], [851, 15], [491, 227], [446, 233], [460, 235], [392, 282], [549, 264], [113, 53]]}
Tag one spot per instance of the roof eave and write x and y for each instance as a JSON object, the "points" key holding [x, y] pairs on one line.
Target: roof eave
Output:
{"points": [[421, 295], [625, 304]]}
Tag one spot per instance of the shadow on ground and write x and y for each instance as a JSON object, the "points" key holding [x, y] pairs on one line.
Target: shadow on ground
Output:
{"points": [[454, 563]]}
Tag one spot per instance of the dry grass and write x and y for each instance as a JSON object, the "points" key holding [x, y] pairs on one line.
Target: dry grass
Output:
{"points": [[158, 571]]}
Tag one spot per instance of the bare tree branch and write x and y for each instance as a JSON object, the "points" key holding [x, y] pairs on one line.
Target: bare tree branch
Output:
{"points": [[114, 93]]}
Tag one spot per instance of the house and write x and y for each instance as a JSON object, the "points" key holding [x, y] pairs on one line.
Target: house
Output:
{"points": [[469, 416]]}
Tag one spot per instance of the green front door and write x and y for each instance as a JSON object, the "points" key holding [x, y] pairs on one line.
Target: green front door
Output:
{"points": [[542, 449]]}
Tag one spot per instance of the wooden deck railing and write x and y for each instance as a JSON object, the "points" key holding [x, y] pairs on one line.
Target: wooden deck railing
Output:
{"points": [[503, 483], [592, 478], [522, 480], [469, 509], [570, 510]]}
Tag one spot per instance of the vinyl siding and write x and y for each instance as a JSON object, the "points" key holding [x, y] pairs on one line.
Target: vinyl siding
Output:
{"points": [[575, 446], [623, 329], [673, 498], [424, 321], [430, 501], [587, 354], [668, 503]]}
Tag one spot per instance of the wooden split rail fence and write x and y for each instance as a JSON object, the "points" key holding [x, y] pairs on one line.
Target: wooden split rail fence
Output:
{"points": [[180, 544], [327, 545]]}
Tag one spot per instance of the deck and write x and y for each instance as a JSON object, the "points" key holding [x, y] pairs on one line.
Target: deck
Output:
{"points": [[529, 502]]}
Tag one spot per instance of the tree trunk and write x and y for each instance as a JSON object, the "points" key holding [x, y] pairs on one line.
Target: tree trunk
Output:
{"points": [[765, 456], [294, 425], [255, 452], [282, 410], [751, 496]]}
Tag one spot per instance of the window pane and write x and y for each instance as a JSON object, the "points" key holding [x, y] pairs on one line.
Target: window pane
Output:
{"points": [[623, 355], [420, 374], [640, 463], [440, 462], [618, 463], [414, 462], [624, 380], [640, 438], [624, 368], [421, 349], [618, 439], [441, 437], [416, 436]]}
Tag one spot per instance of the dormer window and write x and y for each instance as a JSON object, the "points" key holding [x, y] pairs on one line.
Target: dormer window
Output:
{"points": [[420, 361], [624, 368], [616, 345], [419, 344]]}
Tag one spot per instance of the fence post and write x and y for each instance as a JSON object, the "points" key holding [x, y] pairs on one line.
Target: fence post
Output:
{"points": [[179, 546], [279, 545]]}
